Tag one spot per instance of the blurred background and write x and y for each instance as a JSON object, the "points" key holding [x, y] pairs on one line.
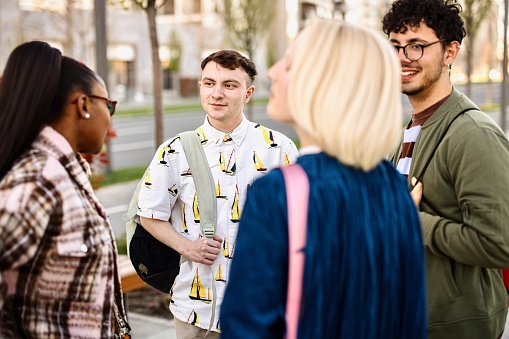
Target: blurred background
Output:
{"points": [[188, 30], [149, 53]]}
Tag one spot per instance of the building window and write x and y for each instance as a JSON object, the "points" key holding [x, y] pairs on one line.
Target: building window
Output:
{"points": [[169, 7], [192, 7], [53, 5]]}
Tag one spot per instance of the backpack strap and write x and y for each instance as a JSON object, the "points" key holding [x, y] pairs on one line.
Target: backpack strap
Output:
{"points": [[419, 178], [131, 217], [203, 181], [421, 175], [205, 190], [207, 201], [297, 199]]}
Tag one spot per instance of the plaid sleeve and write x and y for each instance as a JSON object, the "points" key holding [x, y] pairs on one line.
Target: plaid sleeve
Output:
{"points": [[24, 217]]}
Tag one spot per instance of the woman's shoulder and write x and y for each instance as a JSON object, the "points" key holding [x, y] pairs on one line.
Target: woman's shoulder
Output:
{"points": [[273, 179], [26, 180]]}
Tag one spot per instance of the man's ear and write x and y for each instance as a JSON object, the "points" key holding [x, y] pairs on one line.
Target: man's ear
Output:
{"points": [[451, 52], [249, 93]]}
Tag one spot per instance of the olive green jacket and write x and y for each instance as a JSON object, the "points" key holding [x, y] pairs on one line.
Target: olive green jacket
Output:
{"points": [[466, 232]]}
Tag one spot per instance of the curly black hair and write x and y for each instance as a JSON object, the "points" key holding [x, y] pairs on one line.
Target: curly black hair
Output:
{"points": [[443, 16]]}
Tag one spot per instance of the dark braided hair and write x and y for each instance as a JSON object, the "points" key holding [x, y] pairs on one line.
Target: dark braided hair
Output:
{"points": [[443, 16]]}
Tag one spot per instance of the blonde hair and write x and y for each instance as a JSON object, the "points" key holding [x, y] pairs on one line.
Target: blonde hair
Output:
{"points": [[345, 92]]}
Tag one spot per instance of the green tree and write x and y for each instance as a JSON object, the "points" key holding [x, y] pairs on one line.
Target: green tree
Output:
{"points": [[474, 12], [246, 24], [151, 7], [175, 47]]}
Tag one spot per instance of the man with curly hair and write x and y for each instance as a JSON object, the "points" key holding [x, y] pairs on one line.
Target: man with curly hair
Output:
{"points": [[456, 159]]}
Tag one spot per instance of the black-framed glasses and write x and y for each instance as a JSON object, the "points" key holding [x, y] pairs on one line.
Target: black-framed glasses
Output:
{"points": [[413, 51], [112, 104]]}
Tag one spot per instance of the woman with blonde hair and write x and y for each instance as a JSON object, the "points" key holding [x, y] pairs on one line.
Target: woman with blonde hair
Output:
{"points": [[339, 86]]}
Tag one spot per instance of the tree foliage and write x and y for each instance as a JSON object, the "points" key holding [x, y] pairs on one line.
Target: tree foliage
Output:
{"points": [[247, 22], [474, 13], [175, 47], [151, 7]]}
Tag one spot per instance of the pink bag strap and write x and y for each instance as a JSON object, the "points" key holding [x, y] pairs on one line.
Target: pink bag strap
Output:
{"points": [[297, 196]]}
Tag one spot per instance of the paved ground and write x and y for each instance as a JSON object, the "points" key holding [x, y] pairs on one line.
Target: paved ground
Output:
{"points": [[147, 318], [148, 314], [147, 327], [506, 331]]}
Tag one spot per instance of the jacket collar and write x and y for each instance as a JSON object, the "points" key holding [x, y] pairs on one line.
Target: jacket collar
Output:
{"points": [[456, 102], [53, 143]]}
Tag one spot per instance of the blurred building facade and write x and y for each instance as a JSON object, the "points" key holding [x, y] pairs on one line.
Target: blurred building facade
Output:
{"points": [[188, 30]]}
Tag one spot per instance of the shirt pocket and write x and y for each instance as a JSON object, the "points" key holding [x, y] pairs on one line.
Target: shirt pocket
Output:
{"points": [[72, 271]]}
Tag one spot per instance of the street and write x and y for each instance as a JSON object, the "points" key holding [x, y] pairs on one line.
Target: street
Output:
{"points": [[135, 145]]}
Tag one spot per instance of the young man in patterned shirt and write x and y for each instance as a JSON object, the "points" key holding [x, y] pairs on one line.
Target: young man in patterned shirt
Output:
{"points": [[238, 151]]}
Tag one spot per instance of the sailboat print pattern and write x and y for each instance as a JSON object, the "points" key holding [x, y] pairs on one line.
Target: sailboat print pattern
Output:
{"points": [[174, 199], [183, 218], [146, 181], [202, 136], [173, 190], [164, 151], [229, 167], [286, 160], [193, 318], [196, 210], [218, 192], [225, 248], [186, 173], [219, 274], [258, 165], [198, 291], [227, 253], [235, 206]]}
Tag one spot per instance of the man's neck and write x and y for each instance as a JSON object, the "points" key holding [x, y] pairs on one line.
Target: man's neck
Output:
{"points": [[429, 97], [226, 126]]}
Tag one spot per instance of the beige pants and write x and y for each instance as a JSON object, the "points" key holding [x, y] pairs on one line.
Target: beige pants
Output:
{"points": [[188, 331]]}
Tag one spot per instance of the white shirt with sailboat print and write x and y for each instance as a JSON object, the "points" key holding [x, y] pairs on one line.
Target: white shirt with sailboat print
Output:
{"points": [[236, 160]]}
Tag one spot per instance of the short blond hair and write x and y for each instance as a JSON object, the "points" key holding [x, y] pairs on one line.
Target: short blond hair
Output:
{"points": [[345, 92]]}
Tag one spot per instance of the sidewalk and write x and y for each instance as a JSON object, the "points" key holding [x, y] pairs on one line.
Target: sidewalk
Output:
{"points": [[115, 199], [146, 327]]}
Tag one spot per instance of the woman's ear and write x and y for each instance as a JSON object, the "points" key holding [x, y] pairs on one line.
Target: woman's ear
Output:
{"points": [[82, 105]]}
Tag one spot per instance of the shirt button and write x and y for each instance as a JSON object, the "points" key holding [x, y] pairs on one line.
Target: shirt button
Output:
{"points": [[84, 248]]}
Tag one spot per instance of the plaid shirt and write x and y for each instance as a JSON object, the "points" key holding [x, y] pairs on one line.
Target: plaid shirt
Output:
{"points": [[58, 271]]}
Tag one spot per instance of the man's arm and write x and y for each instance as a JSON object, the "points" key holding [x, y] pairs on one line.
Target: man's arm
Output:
{"points": [[202, 250], [478, 168]]}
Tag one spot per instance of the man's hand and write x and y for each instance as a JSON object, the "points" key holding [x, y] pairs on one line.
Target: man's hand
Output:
{"points": [[416, 192], [203, 250]]}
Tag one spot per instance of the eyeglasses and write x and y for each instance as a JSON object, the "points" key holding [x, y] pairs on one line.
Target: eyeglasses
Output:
{"points": [[111, 103], [414, 52]]}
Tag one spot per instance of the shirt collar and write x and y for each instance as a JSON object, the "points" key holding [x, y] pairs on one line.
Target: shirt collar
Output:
{"points": [[311, 149], [237, 135]]}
